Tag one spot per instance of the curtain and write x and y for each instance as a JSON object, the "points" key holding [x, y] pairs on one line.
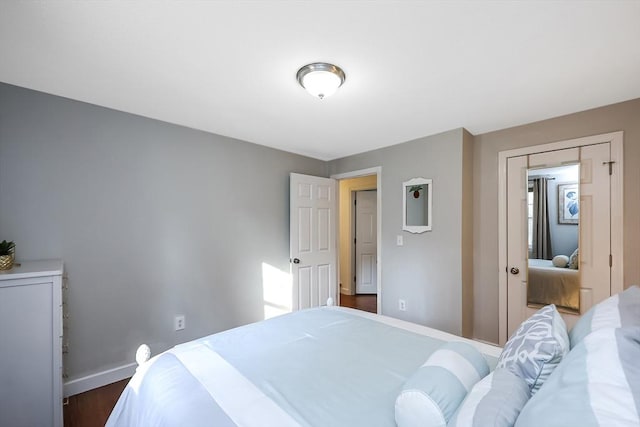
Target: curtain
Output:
{"points": [[541, 244]]}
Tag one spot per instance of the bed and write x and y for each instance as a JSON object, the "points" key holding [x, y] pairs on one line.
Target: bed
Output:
{"points": [[553, 285], [328, 366], [334, 366]]}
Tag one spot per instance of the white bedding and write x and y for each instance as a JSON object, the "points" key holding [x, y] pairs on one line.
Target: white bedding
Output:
{"points": [[553, 285], [319, 367]]}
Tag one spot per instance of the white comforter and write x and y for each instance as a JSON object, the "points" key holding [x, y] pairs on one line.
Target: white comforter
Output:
{"points": [[318, 367]]}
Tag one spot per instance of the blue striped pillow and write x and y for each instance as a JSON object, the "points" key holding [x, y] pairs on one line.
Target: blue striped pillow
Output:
{"points": [[434, 392], [618, 311], [496, 401], [597, 384]]}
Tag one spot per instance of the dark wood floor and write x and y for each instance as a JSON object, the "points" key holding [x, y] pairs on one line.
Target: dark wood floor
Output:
{"points": [[92, 408], [361, 302]]}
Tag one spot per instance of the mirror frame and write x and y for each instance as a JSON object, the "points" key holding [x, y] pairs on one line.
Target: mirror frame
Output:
{"points": [[428, 183]]}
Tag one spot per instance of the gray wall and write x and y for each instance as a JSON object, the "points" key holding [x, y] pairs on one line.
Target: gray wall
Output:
{"points": [[426, 271], [151, 220], [624, 116]]}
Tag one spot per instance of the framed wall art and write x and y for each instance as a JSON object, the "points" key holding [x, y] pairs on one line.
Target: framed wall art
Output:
{"points": [[568, 203]]}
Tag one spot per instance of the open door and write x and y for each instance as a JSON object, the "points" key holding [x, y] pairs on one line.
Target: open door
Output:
{"points": [[312, 237]]}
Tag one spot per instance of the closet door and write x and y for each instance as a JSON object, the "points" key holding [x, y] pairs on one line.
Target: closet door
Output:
{"points": [[593, 275], [516, 241], [595, 225], [599, 184]]}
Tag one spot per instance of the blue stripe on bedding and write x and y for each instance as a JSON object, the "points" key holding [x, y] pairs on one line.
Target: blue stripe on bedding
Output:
{"points": [[628, 344], [323, 348], [323, 367], [596, 385]]}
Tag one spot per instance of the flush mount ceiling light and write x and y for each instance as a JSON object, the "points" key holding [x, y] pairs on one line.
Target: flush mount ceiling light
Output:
{"points": [[321, 79]]}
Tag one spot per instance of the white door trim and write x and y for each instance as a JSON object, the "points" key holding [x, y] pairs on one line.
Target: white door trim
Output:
{"points": [[377, 170], [617, 218]]}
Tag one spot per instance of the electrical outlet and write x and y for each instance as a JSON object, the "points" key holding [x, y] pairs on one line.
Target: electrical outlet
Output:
{"points": [[402, 305], [179, 322]]}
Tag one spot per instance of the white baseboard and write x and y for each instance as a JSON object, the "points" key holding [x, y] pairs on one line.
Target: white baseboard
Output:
{"points": [[99, 379]]}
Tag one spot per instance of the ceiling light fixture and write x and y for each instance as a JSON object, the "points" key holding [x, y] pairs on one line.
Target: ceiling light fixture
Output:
{"points": [[321, 79]]}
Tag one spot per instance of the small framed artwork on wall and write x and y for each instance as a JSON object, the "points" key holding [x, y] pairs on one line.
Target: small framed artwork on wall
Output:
{"points": [[568, 204]]}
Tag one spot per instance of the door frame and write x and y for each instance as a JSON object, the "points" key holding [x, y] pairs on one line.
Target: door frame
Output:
{"points": [[377, 171], [617, 219]]}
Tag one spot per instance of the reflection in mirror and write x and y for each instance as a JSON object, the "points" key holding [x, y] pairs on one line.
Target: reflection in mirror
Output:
{"points": [[416, 205], [553, 210]]}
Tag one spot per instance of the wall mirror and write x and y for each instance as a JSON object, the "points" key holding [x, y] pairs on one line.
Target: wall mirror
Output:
{"points": [[553, 212], [416, 205]]}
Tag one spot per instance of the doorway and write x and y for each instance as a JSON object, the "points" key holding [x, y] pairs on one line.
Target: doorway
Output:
{"points": [[363, 294], [525, 243]]}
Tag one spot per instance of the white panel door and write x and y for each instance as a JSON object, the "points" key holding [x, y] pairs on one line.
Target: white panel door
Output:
{"points": [[595, 228], [517, 251], [366, 242], [312, 240]]}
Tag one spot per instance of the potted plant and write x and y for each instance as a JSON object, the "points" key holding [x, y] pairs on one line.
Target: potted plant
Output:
{"points": [[7, 252]]}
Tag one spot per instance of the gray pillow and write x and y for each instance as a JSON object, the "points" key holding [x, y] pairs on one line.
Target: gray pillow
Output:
{"points": [[536, 348]]}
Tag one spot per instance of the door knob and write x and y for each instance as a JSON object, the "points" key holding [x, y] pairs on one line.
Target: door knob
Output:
{"points": [[514, 270], [296, 261]]}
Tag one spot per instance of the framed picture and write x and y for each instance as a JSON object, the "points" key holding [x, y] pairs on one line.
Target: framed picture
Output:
{"points": [[568, 204]]}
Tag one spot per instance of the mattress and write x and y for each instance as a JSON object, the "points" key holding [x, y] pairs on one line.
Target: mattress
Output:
{"points": [[553, 285], [328, 366]]}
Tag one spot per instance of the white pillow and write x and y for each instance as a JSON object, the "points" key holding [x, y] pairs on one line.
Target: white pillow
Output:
{"points": [[433, 393], [560, 261]]}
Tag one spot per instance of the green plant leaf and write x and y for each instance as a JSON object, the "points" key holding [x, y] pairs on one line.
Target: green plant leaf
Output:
{"points": [[6, 247]]}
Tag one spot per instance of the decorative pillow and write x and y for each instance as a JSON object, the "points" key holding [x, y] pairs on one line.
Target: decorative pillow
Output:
{"points": [[574, 259], [537, 347], [597, 384], [496, 401], [434, 392], [560, 261], [618, 311]]}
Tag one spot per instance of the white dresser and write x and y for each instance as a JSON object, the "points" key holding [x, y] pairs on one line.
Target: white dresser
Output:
{"points": [[31, 344]]}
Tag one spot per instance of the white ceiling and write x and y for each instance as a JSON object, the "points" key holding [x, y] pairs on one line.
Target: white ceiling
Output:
{"points": [[414, 68]]}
